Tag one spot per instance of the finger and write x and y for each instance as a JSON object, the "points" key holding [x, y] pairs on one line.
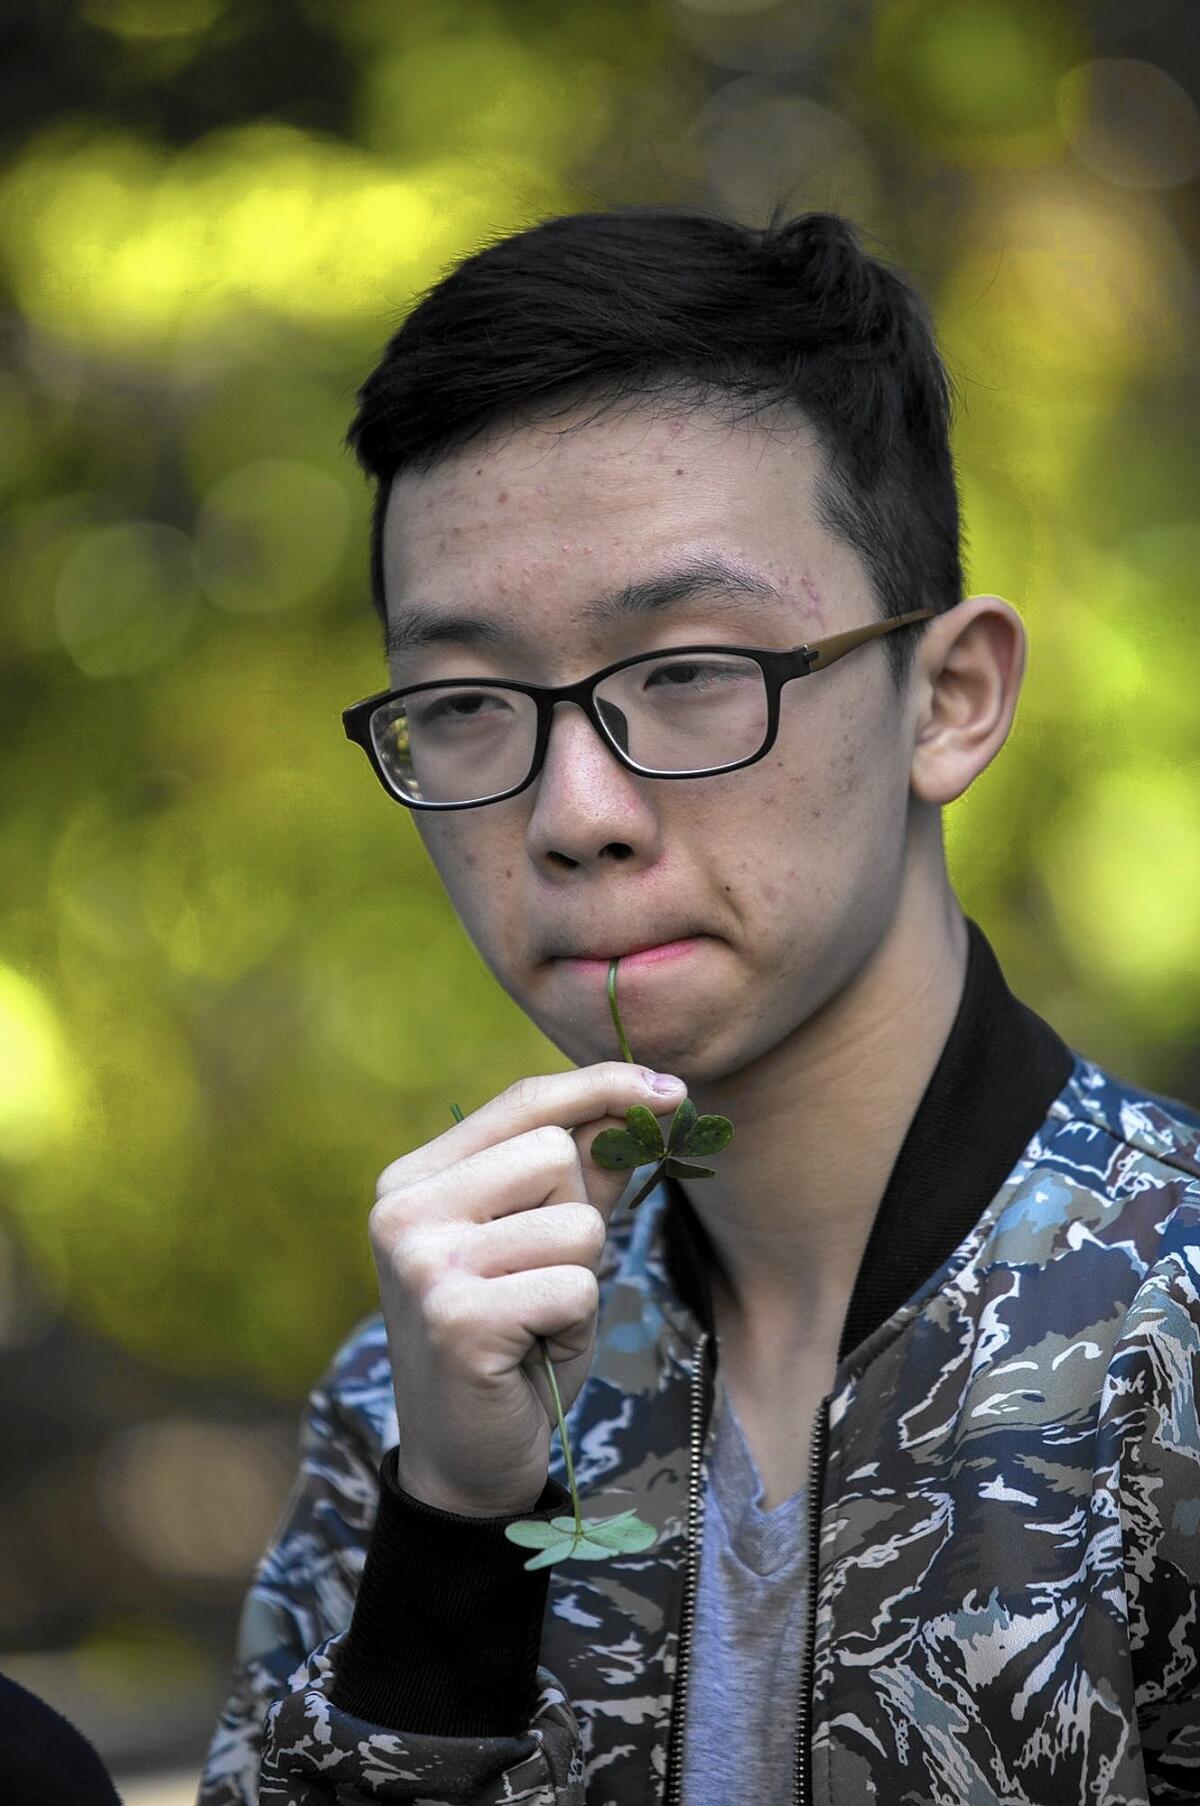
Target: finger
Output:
{"points": [[540, 1167], [554, 1235], [585, 1095]]}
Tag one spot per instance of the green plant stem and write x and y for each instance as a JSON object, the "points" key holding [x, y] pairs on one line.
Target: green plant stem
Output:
{"points": [[648, 1187], [558, 1410], [652, 1181], [612, 1004], [562, 1431]]}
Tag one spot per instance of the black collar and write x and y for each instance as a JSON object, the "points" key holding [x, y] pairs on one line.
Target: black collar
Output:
{"points": [[999, 1071]]}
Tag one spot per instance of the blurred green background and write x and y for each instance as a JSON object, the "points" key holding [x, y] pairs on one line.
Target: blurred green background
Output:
{"points": [[230, 987]]}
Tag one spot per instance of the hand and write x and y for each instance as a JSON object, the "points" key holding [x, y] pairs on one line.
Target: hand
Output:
{"points": [[484, 1239]]}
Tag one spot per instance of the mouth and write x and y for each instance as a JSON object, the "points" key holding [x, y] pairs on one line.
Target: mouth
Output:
{"points": [[638, 953]]}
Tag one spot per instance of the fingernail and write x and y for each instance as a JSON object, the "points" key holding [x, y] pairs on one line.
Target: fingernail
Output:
{"points": [[664, 1082]]}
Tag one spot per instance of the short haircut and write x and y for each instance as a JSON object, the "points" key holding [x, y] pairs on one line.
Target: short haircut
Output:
{"points": [[643, 303]]}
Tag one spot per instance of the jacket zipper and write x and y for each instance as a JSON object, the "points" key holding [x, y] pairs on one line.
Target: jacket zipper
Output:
{"points": [[679, 1702], [674, 1782], [802, 1794]]}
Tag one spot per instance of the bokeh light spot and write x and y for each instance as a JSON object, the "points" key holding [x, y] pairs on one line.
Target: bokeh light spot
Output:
{"points": [[507, 99], [125, 597], [1062, 292], [92, 879], [35, 1088], [977, 77], [1121, 863], [763, 145], [193, 1498], [212, 892], [152, 18], [1130, 122], [270, 535], [373, 1006]]}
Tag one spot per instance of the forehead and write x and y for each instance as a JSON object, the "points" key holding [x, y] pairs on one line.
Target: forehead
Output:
{"points": [[606, 493]]}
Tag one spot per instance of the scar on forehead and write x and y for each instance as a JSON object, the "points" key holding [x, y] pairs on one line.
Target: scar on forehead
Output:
{"points": [[813, 606]]}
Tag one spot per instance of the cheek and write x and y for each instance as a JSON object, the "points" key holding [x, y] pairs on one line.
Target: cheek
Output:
{"points": [[460, 864], [476, 876], [803, 829]]}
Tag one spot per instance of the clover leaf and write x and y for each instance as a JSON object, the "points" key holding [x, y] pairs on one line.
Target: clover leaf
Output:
{"points": [[707, 1135], [587, 1539], [616, 1151], [681, 1125]]}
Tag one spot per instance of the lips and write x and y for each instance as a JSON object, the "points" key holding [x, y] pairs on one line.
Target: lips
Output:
{"points": [[620, 948]]}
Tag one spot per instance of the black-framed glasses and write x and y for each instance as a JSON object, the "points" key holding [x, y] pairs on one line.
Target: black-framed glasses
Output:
{"points": [[683, 712]]}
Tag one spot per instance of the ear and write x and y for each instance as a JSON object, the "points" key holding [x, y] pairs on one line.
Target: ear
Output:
{"points": [[966, 680]]}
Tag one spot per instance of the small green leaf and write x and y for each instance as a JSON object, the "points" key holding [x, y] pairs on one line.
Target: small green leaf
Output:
{"points": [[616, 1151], [707, 1135], [587, 1550], [626, 1532], [681, 1123], [533, 1533], [644, 1130], [683, 1169], [559, 1551]]}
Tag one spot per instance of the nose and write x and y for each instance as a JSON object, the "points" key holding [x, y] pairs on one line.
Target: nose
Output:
{"points": [[585, 800], [583, 736]]}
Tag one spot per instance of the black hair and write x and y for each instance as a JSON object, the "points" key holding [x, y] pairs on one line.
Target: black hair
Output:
{"points": [[640, 302]]}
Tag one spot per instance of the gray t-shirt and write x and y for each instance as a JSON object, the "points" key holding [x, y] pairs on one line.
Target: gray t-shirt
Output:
{"points": [[747, 1643]]}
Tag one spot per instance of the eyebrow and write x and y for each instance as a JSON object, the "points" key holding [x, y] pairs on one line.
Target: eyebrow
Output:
{"points": [[713, 577]]}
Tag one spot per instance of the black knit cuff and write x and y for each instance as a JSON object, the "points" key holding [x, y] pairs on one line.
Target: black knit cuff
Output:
{"points": [[447, 1625]]}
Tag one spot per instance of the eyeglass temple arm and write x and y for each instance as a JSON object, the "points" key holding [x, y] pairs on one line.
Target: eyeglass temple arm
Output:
{"points": [[838, 644]]}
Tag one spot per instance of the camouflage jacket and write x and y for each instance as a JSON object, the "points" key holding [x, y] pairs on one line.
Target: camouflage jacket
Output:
{"points": [[1004, 1498]]}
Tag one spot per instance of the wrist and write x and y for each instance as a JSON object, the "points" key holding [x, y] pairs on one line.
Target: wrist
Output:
{"points": [[427, 1490]]}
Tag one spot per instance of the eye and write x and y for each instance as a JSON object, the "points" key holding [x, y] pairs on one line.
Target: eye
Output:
{"points": [[697, 674], [457, 707]]}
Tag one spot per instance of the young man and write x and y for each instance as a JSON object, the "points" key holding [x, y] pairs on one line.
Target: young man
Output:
{"points": [[906, 1389]]}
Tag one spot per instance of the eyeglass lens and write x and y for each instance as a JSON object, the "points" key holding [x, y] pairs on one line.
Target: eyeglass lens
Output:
{"points": [[472, 741]]}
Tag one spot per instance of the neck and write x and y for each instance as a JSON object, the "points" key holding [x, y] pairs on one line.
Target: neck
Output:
{"points": [[820, 1122]]}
